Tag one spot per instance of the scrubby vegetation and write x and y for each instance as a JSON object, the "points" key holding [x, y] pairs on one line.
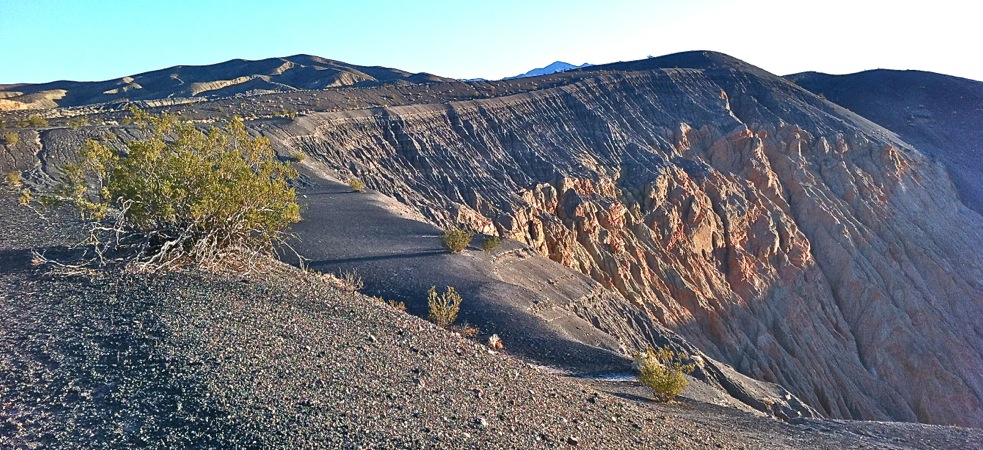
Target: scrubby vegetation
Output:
{"points": [[34, 121], [78, 122], [286, 113], [180, 194], [351, 281], [356, 185], [399, 306], [456, 239], [13, 179], [495, 342], [296, 157], [465, 330], [662, 370], [443, 307], [11, 138], [490, 243]]}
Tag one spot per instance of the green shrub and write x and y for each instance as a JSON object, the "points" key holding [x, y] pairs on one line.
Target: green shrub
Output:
{"points": [[78, 122], [296, 157], [662, 370], [182, 193], [14, 179], [34, 121], [443, 307], [490, 243], [456, 239], [11, 138], [286, 114], [356, 185]]}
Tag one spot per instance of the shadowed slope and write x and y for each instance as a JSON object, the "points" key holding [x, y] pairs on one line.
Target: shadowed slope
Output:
{"points": [[939, 114]]}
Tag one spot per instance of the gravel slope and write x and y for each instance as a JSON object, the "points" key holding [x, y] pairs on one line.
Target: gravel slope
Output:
{"points": [[266, 356], [400, 257]]}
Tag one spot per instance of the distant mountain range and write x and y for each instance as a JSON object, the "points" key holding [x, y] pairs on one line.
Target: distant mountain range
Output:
{"points": [[555, 67], [237, 76], [227, 79], [558, 66]]}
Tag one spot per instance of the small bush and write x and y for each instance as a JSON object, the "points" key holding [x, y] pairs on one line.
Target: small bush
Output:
{"points": [[465, 330], [456, 239], [78, 122], [286, 114], [180, 194], [14, 179], [356, 185], [399, 306], [11, 138], [662, 370], [351, 281], [444, 307], [34, 121], [495, 342], [490, 243], [25, 198], [296, 157]]}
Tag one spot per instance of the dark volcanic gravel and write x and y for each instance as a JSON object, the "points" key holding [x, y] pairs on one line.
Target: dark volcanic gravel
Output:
{"points": [[273, 359], [279, 358]]}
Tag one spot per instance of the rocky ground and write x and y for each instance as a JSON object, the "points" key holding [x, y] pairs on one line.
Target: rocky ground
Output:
{"points": [[262, 355]]}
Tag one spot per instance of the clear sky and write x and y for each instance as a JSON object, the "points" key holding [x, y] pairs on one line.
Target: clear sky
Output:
{"points": [[46, 40]]}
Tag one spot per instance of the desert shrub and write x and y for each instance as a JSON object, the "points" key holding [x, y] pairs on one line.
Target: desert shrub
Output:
{"points": [[286, 114], [456, 239], [490, 243], [399, 306], [443, 307], [465, 330], [78, 122], [13, 179], [351, 280], [356, 185], [181, 193], [296, 157], [495, 342], [34, 121], [11, 138], [662, 370]]}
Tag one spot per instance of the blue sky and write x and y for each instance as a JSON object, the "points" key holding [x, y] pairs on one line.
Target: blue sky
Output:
{"points": [[46, 40]]}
